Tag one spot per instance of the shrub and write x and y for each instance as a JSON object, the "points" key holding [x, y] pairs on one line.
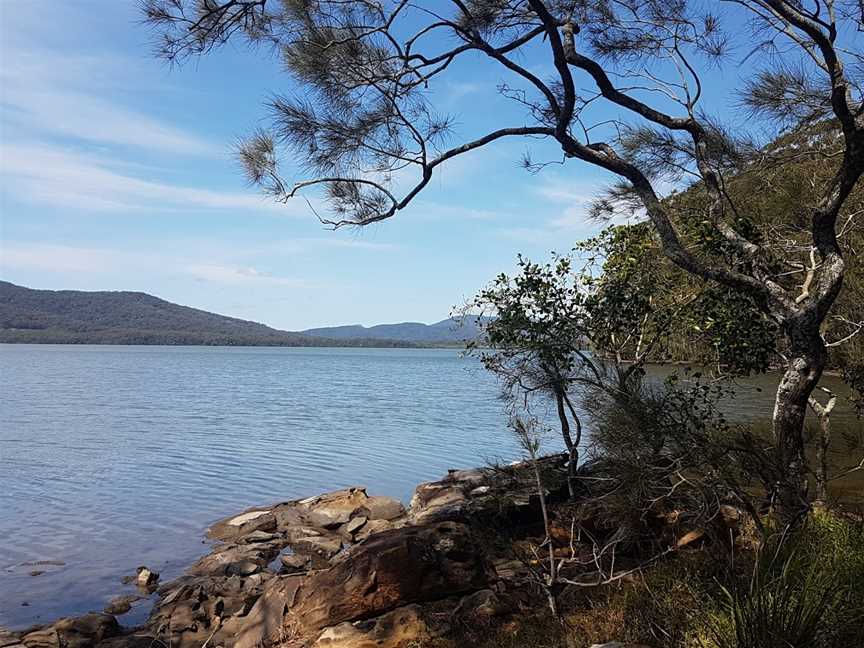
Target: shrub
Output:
{"points": [[805, 592]]}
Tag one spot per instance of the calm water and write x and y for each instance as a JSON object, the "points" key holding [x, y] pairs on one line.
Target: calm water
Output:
{"points": [[114, 457]]}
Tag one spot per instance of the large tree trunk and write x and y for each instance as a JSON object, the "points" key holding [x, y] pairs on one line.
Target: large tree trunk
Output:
{"points": [[807, 357]]}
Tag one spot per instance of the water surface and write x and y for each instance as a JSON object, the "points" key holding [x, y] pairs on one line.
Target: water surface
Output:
{"points": [[113, 457]]}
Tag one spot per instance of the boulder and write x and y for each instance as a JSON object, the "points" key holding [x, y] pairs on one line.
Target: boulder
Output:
{"points": [[80, 632], [372, 527], [481, 604], [395, 629], [146, 579], [323, 546], [383, 508], [120, 604], [8, 638], [392, 569], [292, 563], [332, 510], [266, 623], [355, 524], [243, 524]]}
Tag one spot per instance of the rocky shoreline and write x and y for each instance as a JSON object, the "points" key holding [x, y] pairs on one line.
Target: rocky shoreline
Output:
{"points": [[340, 570]]}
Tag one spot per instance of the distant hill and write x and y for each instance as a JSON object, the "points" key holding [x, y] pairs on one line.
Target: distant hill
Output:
{"points": [[78, 317], [446, 331]]}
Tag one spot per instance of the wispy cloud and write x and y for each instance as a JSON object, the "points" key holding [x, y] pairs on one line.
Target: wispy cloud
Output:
{"points": [[240, 275], [45, 94], [66, 178], [92, 262]]}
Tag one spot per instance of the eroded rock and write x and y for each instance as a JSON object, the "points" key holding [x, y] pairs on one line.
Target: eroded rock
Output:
{"points": [[392, 630]]}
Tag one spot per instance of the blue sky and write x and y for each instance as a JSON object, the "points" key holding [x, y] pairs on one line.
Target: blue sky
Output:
{"points": [[116, 173]]}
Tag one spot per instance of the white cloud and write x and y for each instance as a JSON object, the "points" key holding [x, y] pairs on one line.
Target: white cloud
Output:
{"points": [[240, 275], [60, 258], [91, 261], [46, 93], [69, 179]]}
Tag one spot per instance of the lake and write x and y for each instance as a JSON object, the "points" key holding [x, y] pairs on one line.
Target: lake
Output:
{"points": [[113, 457]]}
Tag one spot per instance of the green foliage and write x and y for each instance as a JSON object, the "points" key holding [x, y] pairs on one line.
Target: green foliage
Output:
{"points": [[805, 592], [533, 341]]}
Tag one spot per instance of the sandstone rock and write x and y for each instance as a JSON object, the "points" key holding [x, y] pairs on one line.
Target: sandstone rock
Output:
{"points": [[294, 562], [383, 508], [323, 546], [334, 509], [81, 632], [372, 527], [481, 604], [8, 638], [146, 579], [436, 501], [289, 515], [392, 569], [355, 524], [265, 623], [120, 604], [392, 630], [258, 536], [134, 640], [243, 524], [471, 477], [730, 516], [690, 537], [243, 568]]}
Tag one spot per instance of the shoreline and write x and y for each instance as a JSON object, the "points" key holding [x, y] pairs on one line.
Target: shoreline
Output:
{"points": [[263, 556]]}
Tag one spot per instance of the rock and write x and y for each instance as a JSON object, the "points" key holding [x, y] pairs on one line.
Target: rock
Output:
{"points": [[730, 516], [120, 604], [689, 538], [401, 627], [258, 536], [334, 509], [481, 604], [146, 579], [436, 501], [618, 644], [383, 508], [134, 640], [392, 569], [480, 491], [471, 477], [355, 524], [372, 527], [245, 518], [242, 568], [289, 515], [81, 632], [294, 563], [36, 572], [265, 623], [8, 638], [323, 546], [243, 524]]}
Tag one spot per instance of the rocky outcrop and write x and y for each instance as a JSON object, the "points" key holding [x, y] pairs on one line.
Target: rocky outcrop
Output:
{"points": [[339, 570]]}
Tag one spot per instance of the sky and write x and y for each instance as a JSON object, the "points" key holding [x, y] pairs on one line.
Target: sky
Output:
{"points": [[117, 173]]}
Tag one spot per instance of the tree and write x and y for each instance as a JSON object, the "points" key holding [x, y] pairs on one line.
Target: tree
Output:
{"points": [[532, 343], [364, 66]]}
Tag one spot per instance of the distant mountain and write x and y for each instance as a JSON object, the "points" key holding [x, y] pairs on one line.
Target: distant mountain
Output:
{"points": [[446, 331], [77, 317]]}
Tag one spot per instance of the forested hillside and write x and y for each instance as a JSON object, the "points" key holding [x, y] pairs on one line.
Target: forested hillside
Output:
{"points": [[78, 317]]}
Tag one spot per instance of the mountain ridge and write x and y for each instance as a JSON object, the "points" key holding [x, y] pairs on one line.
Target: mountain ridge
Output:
{"points": [[29, 315]]}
